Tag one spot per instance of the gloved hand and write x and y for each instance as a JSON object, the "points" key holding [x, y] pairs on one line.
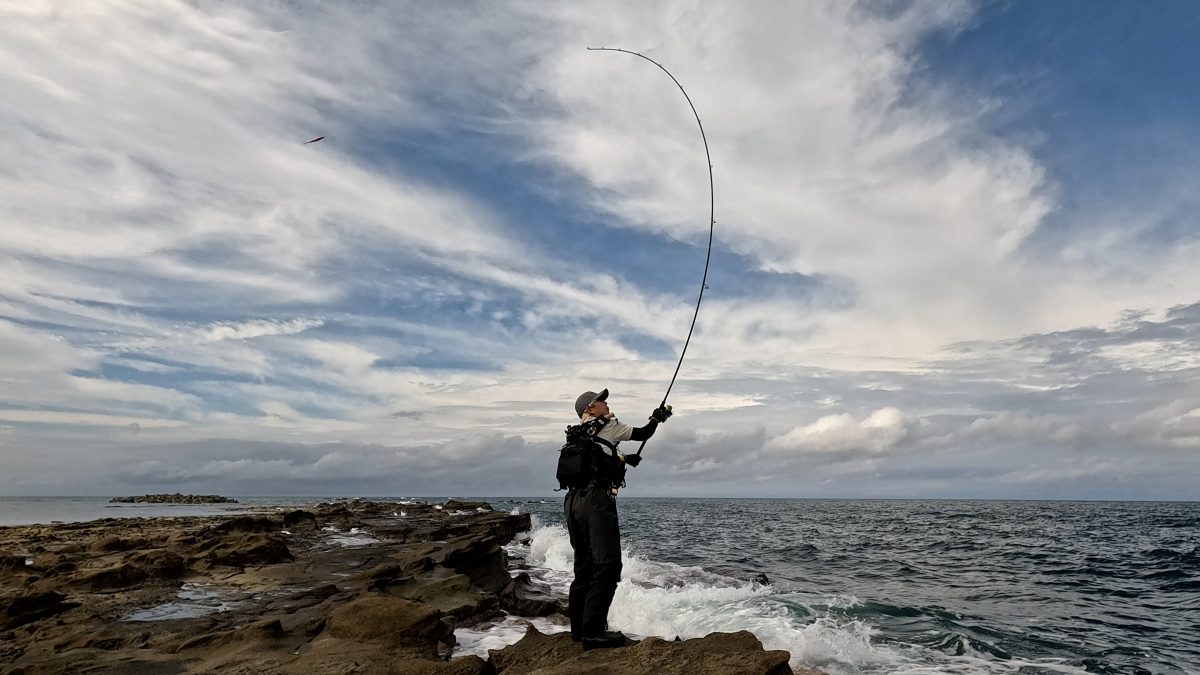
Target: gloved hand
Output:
{"points": [[633, 460], [661, 413]]}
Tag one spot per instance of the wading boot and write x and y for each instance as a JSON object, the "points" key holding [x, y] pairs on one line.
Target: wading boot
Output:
{"points": [[604, 640]]}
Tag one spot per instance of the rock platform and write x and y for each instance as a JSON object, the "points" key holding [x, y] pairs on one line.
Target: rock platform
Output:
{"points": [[344, 587]]}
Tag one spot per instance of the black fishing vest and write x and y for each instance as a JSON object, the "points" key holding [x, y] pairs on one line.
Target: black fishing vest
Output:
{"points": [[585, 458]]}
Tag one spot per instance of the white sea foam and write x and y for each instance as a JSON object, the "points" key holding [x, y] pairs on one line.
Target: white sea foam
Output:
{"points": [[479, 639], [193, 600], [352, 537]]}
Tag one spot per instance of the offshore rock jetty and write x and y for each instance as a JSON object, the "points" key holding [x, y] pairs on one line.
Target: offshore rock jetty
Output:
{"points": [[173, 499], [344, 587]]}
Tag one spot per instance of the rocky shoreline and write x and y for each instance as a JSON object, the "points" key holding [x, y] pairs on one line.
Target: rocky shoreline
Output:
{"points": [[344, 587], [173, 499]]}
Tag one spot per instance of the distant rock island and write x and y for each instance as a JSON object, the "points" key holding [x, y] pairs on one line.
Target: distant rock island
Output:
{"points": [[174, 499]]}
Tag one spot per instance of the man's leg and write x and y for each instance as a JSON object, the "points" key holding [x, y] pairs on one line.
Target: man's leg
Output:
{"points": [[605, 537], [577, 529]]}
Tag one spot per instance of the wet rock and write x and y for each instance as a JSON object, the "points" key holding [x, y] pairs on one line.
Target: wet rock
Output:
{"points": [[442, 589], [525, 597], [29, 607], [323, 591], [122, 575], [296, 520], [406, 566], [259, 631], [393, 623], [107, 638], [303, 599], [482, 560], [158, 563], [337, 657], [459, 505], [114, 543], [762, 579], [247, 524], [183, 539], [10, 564], [500, 525], [714, 654], [250, 549]]}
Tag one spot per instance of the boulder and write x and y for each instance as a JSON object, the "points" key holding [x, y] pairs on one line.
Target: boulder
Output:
{"points": [[266, 630], [305, 598], [392, 623], [460, 505], [31, 606], [714, 654], [250, 549], [246, 524], [338, 657], [113, 543], [158, 563], [405, 566], [482, 560], [504, 526], [442, 589], [526, 597], [111, 637], [299, 520], [121, 575], [10, 564]]}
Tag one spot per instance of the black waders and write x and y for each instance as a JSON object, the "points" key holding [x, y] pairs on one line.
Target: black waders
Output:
{"points": [[591, 515]]}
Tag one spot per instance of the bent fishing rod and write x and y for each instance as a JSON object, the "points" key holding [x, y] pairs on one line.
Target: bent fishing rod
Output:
{"points": [[712, 215]]}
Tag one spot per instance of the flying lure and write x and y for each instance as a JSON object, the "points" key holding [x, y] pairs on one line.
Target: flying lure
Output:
{"points": [[313, 140]]}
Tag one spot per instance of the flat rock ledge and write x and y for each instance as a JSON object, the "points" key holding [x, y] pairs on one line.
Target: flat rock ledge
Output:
{"points": [[173, 499], [345, 587]]}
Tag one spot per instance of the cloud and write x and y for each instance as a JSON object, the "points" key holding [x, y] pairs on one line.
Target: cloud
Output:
{"points": [[499, 219], [1184, 430], [875, 433], [252, 329]]}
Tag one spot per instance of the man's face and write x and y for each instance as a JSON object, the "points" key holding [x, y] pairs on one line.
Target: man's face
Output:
{"points": [[598, 408]]}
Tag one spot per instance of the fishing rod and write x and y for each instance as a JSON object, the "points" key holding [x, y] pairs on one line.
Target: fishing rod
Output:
{"points": [[712, 214]]}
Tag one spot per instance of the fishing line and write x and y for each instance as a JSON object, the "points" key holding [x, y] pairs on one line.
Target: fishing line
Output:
{"points": [[712, 214]]}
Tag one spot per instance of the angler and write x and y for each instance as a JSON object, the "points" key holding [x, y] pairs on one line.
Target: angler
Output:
{"points": [[592, 470]]}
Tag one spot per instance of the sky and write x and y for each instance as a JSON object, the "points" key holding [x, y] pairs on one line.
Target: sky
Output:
{"points": [[954, 251]]}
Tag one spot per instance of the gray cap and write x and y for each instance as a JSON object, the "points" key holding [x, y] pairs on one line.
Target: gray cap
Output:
{"points": [[587, 398]]}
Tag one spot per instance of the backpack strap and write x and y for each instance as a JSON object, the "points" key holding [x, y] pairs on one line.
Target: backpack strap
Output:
{"points": [[593, 427]]}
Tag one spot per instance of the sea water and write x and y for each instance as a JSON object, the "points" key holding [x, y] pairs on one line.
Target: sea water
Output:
{"points": [[908, 587]]}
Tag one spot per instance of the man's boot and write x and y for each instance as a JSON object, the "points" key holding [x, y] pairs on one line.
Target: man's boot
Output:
{"points": [[604, 640]]}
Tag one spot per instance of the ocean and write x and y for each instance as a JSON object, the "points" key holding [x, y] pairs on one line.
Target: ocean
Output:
{"points": [[871, 586], [908, 587]]}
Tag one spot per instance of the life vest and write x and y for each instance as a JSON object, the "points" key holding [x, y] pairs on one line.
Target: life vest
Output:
{"points": [[586, 459]]}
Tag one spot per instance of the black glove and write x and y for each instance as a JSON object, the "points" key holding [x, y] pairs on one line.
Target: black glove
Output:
{"points": [[661, 414], [633, 460]]}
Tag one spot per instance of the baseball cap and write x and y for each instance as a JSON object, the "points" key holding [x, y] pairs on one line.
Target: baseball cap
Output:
{"points": [[587, 398]]}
